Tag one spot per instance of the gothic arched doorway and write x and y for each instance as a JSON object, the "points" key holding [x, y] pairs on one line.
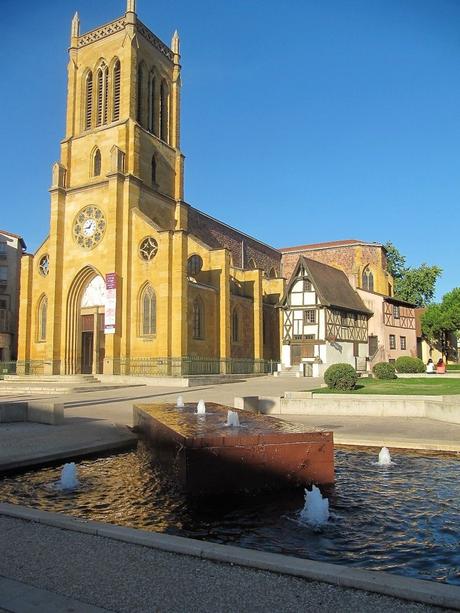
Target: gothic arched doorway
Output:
{"points": [[85, 350]]}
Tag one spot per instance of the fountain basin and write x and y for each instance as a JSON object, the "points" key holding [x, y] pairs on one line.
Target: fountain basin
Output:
{"points": [[204, 456]]}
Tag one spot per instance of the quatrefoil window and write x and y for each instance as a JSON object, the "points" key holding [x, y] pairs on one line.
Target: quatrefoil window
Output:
{"points": [[44, 265], [148, 248]]}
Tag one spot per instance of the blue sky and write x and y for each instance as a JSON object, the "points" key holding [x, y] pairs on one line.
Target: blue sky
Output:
{"points": [[302, 121]]}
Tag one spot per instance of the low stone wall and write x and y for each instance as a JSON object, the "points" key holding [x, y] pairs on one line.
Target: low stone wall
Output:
{"points": [[37, 411], [441, 408], [191, 381]]}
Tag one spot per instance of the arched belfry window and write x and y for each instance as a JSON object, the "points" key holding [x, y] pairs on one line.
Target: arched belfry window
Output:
{"points": [[148, 311], [235, 325], [198, 319], [154, 171], [42, 318], [116, 91], [102, 90], [152, 106], [367, 281], [164, 112], [140, 92], [97, 162], [88, 100]]}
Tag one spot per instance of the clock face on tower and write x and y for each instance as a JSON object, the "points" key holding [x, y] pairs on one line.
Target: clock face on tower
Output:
{"points": [[89, 227]]}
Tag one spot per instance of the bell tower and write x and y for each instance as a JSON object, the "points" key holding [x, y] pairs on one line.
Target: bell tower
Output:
{"points": [[123, 111]]}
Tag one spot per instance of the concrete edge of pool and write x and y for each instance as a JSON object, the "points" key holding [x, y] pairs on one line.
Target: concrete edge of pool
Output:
{"points": [[380, 582]]}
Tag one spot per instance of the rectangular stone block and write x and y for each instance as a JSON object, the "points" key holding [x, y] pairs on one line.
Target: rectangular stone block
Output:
{"points": [[13, 411], [45, 412], [269, 405], [203, 456], [247, 403]]}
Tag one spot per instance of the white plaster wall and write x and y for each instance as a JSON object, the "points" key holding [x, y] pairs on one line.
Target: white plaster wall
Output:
{"points": [[286, 355], [339, 353], [322, 323]]}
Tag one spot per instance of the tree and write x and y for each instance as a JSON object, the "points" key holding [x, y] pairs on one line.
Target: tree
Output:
{"points": [[416, 285], [442, 320], [396, 262]]}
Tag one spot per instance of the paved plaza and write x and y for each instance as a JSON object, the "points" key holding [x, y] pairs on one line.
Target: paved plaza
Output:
{"points": [[100, 574]]}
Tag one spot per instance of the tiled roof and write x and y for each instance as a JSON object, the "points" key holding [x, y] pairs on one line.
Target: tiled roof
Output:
{"points": [[331, 285], [328, 245]]}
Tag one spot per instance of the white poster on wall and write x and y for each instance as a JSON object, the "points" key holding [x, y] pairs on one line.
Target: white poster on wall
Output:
{"points": [[110, 302]]}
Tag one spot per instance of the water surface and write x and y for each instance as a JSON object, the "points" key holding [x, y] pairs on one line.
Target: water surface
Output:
{"points": [[403, 518]]}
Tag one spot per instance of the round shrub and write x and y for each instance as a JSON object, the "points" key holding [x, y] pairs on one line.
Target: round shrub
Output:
{"points": [[408, 364], [341, 377], [384, 370]]}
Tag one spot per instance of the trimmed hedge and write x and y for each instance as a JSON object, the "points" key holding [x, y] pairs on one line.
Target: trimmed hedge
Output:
{"points": [[384, 370], [341, 377], [406, 364]]}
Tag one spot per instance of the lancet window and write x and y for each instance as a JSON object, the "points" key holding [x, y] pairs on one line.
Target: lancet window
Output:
{"points": [[148, 311], [88, 100], [97, 162], [152, 105], [116, 90], [367, 280], [164, 112], [42, 318], [235, 325], [198, 318], [140, 89], [102, 90]]}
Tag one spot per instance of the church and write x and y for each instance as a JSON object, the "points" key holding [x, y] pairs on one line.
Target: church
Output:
{"points": [[131, 278]]}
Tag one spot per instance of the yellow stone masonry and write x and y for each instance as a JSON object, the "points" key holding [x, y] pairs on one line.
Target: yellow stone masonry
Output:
{"points": [[136, 194]]}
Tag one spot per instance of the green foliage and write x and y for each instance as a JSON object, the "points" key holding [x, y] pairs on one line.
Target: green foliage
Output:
{"points": [[440, 320], [384, 370], [406, 364], [416, 285], [396, 263], [341, 377]]}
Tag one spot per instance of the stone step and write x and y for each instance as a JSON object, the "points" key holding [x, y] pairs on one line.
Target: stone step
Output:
{"points": [[21, 388], [52, 378]]}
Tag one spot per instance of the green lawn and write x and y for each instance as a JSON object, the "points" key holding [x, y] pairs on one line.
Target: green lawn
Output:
{"points": [[453, 367], [438, 385]]}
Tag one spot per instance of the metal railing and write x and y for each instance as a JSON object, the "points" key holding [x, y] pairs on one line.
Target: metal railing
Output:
{"points": [[7, 368], [190, 366], [155, 367]]}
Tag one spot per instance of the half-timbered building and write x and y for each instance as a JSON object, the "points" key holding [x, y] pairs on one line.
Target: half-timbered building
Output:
{"points": [[324, 320], [392, 329]]}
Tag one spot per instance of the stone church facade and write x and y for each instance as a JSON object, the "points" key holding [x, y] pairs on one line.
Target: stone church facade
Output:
{"points": [[130, 273]]}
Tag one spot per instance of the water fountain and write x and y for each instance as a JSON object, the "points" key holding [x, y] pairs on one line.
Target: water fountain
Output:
{"points": [[180, 402], [205, 450], [316, 509], [201, 408], [69, 479], [233, 421], [384, 457]]}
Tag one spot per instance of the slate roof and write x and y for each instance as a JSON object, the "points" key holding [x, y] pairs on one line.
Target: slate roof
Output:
{"points": [[331, 285]]}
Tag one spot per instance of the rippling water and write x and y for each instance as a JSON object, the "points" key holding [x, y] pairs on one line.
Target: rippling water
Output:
{"points": [[403, 518]]}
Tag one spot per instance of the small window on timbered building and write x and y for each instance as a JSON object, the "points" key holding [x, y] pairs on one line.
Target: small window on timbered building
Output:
{"points": [[392, 341], [396, 312], [403, 342], [310, 316]]}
